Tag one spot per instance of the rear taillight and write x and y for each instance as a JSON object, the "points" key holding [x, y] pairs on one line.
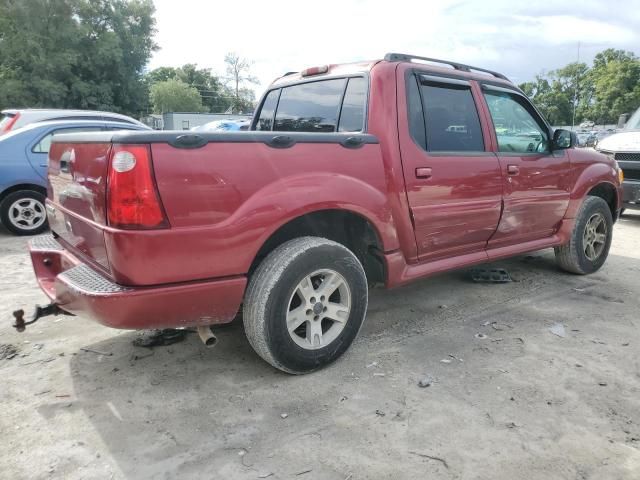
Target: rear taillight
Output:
{"points": [[9, 125], [133, 201]]}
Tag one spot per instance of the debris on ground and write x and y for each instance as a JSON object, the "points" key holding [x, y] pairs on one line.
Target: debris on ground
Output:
{"points": [[8, 351], [265, 475], [372, 364], [284, 415], [446, 360], [380, 413], [425, 382], [431, 457], [481, 336], [304, 471], [602, 384], [512, 425], [160, 338], [97, 352], [490, 275], [558, 329], [378, 374]]}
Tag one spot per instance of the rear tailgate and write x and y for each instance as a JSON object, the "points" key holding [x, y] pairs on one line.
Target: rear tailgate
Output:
{"points": [[78, 168]]}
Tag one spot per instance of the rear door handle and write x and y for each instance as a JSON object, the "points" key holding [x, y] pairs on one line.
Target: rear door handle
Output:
{"points": [[423, 172], [513, 170]]}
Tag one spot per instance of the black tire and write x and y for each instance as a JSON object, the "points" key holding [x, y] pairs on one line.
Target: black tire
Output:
{"points": [[270, 290], [572, 256], [18, 227]]}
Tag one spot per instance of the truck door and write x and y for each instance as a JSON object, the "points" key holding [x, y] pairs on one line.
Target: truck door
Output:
{"points": [[535, 179], [453, 182]]}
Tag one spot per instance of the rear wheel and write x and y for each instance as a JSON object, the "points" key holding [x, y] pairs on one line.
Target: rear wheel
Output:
{"points": [[305, 304], [23, 212], [590, 240]]}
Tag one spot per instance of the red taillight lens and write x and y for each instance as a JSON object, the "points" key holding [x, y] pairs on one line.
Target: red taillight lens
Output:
{"points": [[9, 125], [132, 197]]}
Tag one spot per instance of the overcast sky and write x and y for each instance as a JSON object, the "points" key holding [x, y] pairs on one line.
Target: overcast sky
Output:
{"points": [[518, 38]]}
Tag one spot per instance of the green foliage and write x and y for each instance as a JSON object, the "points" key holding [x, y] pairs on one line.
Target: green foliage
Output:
{"points": [[75, 53], [214, 95], [174, 95], [600, 93]]}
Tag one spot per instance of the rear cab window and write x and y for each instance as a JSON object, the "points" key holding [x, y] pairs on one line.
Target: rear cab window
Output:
{"points": [[321, 106]]}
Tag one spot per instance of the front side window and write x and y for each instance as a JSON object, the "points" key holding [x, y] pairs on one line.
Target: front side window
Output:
{"points": [[310, 107], [449, 115], [517, 130]]}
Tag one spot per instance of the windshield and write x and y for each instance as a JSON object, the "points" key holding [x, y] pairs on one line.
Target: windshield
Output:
{"points": [[634, 122]]}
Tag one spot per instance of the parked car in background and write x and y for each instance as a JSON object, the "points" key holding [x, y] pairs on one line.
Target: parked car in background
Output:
{"points": [[624, 147], [587, 124], [223, 125], [353, 175], [12, 119], [23, 170]]}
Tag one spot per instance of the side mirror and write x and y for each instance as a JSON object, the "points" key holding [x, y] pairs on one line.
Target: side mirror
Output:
{"points": [[563, 139]]}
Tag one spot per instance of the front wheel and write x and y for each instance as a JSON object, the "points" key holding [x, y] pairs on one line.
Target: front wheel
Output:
{"points": [[23, 212], [305, 304], [590, 240]]}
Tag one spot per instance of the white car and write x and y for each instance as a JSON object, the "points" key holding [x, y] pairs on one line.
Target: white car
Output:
{"points": [[624, 147], [587, 124]]}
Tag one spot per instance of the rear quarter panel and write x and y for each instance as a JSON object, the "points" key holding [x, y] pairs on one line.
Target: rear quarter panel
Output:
{"points": [[224, 200]]}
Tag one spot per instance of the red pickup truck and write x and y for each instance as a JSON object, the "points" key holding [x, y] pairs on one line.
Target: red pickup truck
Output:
{"points": [[351, 175]]}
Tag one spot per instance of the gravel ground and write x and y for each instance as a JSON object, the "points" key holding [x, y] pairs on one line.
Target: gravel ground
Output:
{"points": [[509, 398]]}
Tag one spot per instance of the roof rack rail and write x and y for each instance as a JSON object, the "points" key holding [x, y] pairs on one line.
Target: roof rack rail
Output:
{"points": [[288, 73], [403, 57]]}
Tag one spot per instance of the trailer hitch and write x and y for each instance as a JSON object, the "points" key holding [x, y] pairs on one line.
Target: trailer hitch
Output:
{"points": [[51, 309]]}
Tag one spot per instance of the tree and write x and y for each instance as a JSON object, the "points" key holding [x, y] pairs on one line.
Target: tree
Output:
{"points": [[75, 53], [238, 73], [616, 83], [600, 93], [174, 95], [215, 96]]}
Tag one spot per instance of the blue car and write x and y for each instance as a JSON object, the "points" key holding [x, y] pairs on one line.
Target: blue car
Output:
{"points": [[23, 170]]}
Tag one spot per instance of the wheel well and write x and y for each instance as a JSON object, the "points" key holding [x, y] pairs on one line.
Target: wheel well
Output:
{"points": [[607, 192], [347, 228], [23, 186]]}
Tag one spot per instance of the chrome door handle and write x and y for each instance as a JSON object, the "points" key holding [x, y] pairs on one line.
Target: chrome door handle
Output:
{"points": [[513, 169], [423, 172]]}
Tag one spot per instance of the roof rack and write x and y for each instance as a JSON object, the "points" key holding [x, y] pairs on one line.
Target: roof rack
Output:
{"points": [[403, 57], [288, 73]]}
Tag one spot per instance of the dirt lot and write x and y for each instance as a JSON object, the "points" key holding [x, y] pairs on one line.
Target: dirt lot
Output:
{"points": [[515, 402]]}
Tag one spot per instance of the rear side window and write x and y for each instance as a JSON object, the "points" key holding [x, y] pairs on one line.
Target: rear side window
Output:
{"points": [[310, 107], [352, 114], [265, 121], [450, 116], [44, 144]]}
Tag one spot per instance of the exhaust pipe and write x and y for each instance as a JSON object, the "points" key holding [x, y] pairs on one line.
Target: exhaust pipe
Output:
{"points": [[207, 336]]}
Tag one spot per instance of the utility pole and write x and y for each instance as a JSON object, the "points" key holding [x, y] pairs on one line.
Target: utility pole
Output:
{"points": [[575, 92]]}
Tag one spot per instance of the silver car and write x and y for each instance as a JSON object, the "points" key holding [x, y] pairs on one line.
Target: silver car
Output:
{"points": [[12, 119]]}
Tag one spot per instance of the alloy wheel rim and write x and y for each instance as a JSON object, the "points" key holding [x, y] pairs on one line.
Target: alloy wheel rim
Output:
{"points": [[27, 214], [594, 238], [318, 309]]}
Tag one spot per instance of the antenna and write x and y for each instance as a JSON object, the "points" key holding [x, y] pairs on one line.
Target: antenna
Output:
{"points": [[575, 93]]}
